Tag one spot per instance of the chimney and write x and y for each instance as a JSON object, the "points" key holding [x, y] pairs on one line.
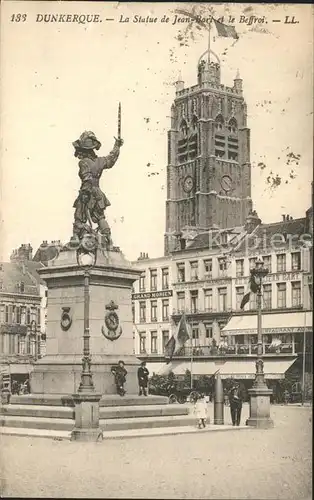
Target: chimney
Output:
{"points": [[283, 217], [22, 254]]}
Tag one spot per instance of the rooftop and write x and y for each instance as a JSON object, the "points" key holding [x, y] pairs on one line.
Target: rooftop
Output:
{"points": [[13, 274]]}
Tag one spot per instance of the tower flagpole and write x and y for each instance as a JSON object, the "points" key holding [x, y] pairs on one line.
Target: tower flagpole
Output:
{"points": [[208, 47]]}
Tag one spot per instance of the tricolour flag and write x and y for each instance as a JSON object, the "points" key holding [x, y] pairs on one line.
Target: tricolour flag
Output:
{"points": [[178, 339], [252, 289], [225, 30], [222, 29]]}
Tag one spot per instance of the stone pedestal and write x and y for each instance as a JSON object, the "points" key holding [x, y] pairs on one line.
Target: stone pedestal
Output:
{"points": [[260, 408], [111, 279], [86, 418]]}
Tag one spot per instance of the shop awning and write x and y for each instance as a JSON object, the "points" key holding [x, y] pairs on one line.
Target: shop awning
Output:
{"points": [[155, 367], [285, 322], [244, 369]]}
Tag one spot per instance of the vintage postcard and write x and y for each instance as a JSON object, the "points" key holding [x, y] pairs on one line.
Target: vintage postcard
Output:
{"points": [[156, 205]]}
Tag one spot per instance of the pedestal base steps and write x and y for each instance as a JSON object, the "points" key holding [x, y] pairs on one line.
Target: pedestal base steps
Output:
{"points": [[56, 413], [56, 374]]}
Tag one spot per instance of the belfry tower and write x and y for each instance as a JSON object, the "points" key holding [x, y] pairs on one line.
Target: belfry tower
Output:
{"points": [[209, 171]]}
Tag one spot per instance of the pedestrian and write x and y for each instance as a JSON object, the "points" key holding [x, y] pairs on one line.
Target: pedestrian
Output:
{"points": [[142, 377], [286, 397], [200, 410], [15, 387], [119, 372], [235, 400]]}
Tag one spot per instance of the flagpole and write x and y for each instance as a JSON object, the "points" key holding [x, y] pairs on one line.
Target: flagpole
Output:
{"points": [[191, 332], [303, 361], [209, 27]]}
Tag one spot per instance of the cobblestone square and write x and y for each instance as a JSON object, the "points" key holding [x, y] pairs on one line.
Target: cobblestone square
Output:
{"points": [[244, 464]]}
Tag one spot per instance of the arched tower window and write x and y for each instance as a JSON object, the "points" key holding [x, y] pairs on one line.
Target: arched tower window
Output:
{"points": [[233, 143], [233, 126], [220, 139], [219, 122], [192, 145], [183, 141]]}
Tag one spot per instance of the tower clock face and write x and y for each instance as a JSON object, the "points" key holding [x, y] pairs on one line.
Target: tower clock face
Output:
{"points": [[226, 183], [188, 184]]}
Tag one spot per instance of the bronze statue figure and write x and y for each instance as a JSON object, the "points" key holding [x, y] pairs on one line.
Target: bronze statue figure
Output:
{"points": [[91, 202]]}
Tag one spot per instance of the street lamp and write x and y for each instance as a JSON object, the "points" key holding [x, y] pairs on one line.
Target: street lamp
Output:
{"points": [[86, 259], [33, 339], [259, 394], [258, 274], [86, 399]]}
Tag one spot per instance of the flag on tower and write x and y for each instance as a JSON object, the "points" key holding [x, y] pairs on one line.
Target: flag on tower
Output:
{"points": [[252, 289], [178, 339], [225, 30]]}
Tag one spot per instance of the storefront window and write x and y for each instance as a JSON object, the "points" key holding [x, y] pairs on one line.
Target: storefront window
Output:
{"points": [[165, 309], [142, 342], [194, 301], [239, 296], [142, 312], [208, 300], [281, 295], [296, 293], [153, 344], [165, 339], [181, 301]]}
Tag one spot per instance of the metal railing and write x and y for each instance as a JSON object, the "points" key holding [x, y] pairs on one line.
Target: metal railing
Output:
{"points": [[235, 350], [200, 310]]}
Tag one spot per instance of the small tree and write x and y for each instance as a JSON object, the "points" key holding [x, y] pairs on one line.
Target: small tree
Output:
{"points": [[205, 384]]}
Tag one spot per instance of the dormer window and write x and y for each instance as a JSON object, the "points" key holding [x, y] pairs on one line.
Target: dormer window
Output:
{"points": [[21, 287]]}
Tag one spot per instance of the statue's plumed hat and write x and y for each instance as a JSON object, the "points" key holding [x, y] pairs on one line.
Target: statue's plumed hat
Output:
{"points": [[87, 140]]}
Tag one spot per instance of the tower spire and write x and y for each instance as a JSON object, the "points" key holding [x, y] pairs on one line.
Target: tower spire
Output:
{"points": [[179, 82]]}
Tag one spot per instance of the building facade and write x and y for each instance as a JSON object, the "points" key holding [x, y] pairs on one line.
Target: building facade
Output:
{"points": [[207, 281], [152, 302], [22, 313]]}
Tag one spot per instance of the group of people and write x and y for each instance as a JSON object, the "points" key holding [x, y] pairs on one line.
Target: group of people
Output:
{"points": [[235, 401], [20, 388], [200, 407], [119, 372]]}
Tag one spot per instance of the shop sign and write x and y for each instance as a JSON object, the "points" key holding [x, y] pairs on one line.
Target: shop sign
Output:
{"points": [[273, 277], [152, 295]]}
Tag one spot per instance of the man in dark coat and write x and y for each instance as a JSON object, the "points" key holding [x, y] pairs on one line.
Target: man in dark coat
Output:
{"points": [[235, 399], [119, 373], [142, 376]]}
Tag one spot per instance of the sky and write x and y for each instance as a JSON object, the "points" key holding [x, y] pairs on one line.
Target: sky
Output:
{"points": [[59, 79]]}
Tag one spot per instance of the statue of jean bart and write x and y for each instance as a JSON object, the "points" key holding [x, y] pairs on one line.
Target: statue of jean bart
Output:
{"points": [[91, 202]]}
